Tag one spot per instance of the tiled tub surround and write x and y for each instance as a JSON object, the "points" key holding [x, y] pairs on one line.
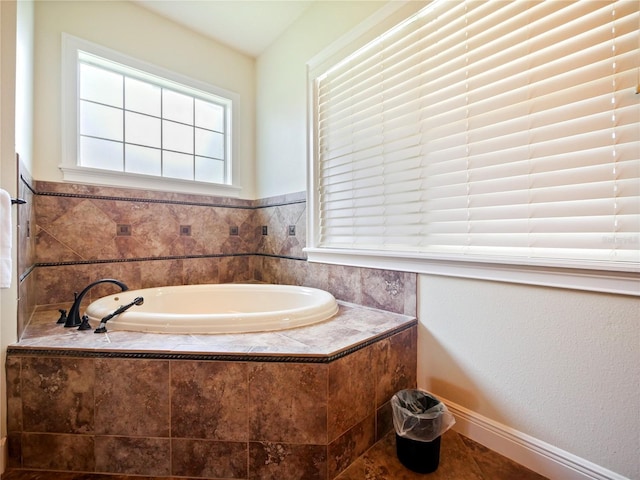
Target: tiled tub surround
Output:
{"points": [[279, 405], [296, 404], [170, 239], [79, 238], [74, 241]]}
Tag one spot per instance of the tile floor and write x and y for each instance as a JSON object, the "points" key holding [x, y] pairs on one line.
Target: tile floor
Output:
{"points": [[460, 459]]}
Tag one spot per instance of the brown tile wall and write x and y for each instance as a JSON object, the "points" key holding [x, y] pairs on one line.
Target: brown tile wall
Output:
{"points": [[26, 244], [204, 419], [383, 289], [78, 239], [69, 238]]}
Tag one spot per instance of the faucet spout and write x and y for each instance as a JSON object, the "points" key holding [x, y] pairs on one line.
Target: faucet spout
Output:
{"points": [[73, 319]]}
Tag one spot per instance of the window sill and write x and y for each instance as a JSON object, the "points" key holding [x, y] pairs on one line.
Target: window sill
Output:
{"points": [[575, 277], [97, 176]]}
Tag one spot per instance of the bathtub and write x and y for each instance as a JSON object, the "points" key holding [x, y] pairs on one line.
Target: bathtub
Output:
{"points": [[216, 308]]}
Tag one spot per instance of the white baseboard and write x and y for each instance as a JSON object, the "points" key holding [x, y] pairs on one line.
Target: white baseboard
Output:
{"points": [[541, 457]]}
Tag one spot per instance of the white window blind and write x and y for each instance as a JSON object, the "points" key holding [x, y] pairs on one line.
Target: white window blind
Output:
{"points": [[487, 130]]}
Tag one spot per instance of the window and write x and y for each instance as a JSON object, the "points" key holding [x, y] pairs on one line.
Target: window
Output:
{"points": [[133, 124], [483, 132]]}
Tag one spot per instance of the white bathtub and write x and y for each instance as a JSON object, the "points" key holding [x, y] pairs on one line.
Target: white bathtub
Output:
{"points": [[220, 308]]}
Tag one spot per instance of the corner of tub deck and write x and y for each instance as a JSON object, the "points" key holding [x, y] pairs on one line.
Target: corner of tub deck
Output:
{"points": [[354, 327]]}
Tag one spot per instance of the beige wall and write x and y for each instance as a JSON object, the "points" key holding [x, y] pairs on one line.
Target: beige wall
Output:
{"points": [[24, 83], [281, 112], [559, 365], [135, 31], [8, 297]]}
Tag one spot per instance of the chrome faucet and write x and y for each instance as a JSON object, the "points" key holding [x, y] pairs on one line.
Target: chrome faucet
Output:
{"points": [[73, 319]]}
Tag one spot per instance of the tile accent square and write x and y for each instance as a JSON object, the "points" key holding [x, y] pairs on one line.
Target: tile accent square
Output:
{"points": [[123, 230]]}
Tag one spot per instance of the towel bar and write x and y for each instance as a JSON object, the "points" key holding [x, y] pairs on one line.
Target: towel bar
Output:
{"points": [[17, 201]]}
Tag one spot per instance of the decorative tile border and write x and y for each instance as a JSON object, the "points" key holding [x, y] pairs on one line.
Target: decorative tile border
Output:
{"points": [[151, 259]]}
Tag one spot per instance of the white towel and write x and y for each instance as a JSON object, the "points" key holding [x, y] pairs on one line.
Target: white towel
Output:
{"points": [[5, 239]]}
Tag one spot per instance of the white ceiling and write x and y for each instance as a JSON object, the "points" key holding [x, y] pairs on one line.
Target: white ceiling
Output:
{"points": [[246, 25]]}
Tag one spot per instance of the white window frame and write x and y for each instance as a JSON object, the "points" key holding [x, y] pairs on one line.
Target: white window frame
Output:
{"points": [[73, 172], [574, 275]]}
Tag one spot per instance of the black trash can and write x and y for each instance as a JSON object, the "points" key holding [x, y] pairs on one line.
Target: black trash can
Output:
{"points": [[419, 419], [420, 457]]}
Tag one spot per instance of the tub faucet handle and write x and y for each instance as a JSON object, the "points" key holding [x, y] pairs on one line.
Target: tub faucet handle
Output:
{"points": [[84, 324], [63, 316]]}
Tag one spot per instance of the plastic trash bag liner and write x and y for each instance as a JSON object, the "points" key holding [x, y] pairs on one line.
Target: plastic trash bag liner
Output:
{"points": [[420, 416]]}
